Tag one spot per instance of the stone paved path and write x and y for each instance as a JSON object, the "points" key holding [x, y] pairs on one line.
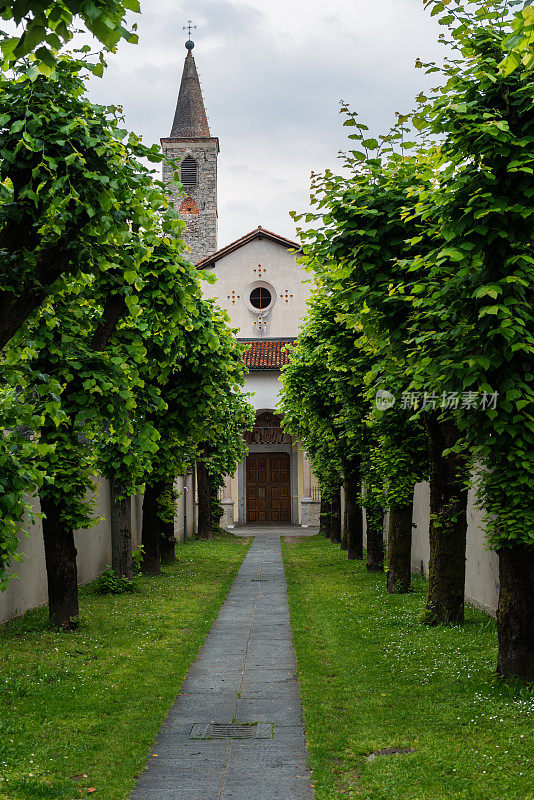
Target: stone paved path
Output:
{"points": [[245, 672]]}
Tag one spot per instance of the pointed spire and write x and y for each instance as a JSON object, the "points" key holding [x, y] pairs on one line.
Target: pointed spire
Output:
{"points": [[190, 121]]}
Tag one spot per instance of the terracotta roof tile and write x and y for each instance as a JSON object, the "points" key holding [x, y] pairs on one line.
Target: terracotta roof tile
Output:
{"points": [[266, 353]]}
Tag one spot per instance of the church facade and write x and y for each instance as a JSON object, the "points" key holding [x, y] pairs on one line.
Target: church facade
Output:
{"points": [[264, 291]]}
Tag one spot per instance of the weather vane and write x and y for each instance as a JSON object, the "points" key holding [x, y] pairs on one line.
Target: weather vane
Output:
{"points": [[189, 27]]}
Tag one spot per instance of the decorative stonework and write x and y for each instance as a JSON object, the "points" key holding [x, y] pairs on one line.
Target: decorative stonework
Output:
{"points": [[310, 511], [286, 296], [260, 324], [188, 206], [234, 296], [227, 521], [260, 317], [259, 270], [267, 430]]}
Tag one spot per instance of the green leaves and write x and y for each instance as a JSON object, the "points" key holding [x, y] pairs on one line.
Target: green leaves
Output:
{"points": [[518, 45], [48, 25], [509, 63], [79, 184]]}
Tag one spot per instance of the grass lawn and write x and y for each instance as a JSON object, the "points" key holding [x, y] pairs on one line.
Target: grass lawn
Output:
{"points": [[79, 711], [372, 677]]}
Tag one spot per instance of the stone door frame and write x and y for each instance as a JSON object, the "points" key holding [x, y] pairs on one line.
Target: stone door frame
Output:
{"points": [[292, 451]]}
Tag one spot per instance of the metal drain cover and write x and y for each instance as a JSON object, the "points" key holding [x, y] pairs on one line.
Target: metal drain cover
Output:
{"points": [[231, 730]]}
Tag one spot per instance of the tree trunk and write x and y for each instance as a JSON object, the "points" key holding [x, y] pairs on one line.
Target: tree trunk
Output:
{"points": [[399, 567], [354, 515], [61, 570], [345, 527], [204, 530], [448, 523], [53, 261], [515, 613], [375, 541], [324, 523], [121, 530], [151, 564], [335, 517], [167, 543], [114, 307], [216, 510]]}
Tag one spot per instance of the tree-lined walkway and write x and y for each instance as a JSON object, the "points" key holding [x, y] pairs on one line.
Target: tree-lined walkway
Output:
{"points": [[245, 673]]}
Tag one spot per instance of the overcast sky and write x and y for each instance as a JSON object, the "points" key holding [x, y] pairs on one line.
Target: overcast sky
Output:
{"points": [[272, 76]]}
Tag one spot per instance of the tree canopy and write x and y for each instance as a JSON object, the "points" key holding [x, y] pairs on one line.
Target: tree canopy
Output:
{"points": [[47, 25], [424, 251], [112, 359]]}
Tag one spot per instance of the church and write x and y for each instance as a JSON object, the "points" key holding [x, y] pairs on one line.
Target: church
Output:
{"points": [[264, 290]]}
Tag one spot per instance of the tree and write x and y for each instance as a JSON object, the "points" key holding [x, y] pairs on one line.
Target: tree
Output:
{"points": [[518, 45], [165, 296], [22, 454], [211, 428], [403, 463], [67, 346], [305, 400], [361, 250], [474, 323], [92, 334], [225, 443], [325, 408]]}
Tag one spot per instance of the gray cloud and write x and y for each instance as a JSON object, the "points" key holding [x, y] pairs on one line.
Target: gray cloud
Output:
{"points": [[272, 77]]}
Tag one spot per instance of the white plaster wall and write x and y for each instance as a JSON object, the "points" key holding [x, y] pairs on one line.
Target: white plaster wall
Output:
{"points": [[29, 589], [94, 545], [94, 554], [235, 494], [179, 518], [237, 271], [137, 520], [266, 387], [421, 519], [300, 483], [186, 497], [482, 565]]}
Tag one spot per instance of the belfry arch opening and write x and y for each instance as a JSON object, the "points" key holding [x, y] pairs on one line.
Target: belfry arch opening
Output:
{"points": [[189, 171]]}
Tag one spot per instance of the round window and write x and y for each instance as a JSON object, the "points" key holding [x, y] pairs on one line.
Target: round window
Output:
{"points": [[260, 297]]}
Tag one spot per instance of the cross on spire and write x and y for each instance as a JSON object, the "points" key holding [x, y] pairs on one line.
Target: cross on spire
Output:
{"points": [[189, 27]]}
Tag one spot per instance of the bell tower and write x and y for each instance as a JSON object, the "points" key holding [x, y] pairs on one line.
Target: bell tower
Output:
{"points": [[194, 150]]}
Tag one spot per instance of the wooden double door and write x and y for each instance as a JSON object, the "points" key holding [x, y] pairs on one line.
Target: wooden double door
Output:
{"points": [[268, 488]]}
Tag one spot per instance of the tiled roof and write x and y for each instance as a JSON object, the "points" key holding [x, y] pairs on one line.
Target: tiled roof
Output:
{"points": [[266, 353]]}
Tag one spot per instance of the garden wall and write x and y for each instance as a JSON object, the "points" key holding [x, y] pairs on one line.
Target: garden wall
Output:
{"points": [[482, 565], [94, 550]]}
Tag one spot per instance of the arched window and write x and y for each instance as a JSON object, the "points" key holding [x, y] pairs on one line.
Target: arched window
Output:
{"points": [[189, 171]]}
